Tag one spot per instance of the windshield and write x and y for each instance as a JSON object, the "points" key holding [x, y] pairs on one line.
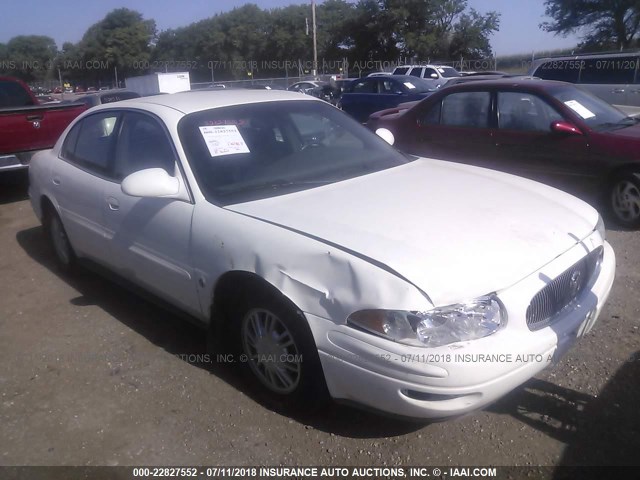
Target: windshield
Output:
{"points": [[448, 72], [592, 110], [260, 150]]}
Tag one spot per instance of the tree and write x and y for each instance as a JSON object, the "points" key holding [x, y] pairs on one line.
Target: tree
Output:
{"points": [[122, 40], [603, 23], [29, 57], [440, 29], [371, 36]]}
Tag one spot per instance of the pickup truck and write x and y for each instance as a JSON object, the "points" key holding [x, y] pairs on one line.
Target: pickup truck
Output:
{"points": [[26, 126]]}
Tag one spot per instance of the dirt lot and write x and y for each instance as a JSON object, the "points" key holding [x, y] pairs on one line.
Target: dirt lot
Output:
{"points": [[90, 374]]}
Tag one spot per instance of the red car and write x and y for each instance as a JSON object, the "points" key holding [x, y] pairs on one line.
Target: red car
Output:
{"points": [[553, 132]]}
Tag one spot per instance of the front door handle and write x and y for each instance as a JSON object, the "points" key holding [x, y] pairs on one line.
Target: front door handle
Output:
{"points": [[113, 203], [56, 180], [617, 90]]}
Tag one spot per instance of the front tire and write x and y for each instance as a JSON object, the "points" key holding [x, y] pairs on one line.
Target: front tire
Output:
{"points": [[624, 200], [278, 350]]}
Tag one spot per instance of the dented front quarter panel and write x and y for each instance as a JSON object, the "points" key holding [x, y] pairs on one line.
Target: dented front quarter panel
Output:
{"points": [[318, 278]]}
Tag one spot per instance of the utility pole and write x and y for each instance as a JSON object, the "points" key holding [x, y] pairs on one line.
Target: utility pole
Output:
{"points": [[315, 45]]}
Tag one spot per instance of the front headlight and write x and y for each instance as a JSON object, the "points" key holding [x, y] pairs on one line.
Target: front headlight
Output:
{"points": [[600, 228], [441, 326]]}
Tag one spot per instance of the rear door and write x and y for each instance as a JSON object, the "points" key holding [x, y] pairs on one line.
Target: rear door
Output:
{"points": [[360, 98], [79, 179]]}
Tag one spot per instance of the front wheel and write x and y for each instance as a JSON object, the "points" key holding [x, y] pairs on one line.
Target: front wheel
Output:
{"points": [[624, 200], [278, 348]]}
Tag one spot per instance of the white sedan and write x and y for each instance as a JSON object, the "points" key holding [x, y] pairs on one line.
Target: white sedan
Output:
{"points": [[329, 261]]}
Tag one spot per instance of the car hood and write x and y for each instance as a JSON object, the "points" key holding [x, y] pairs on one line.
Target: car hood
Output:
{"points": [[454, 231], [632, 131]]}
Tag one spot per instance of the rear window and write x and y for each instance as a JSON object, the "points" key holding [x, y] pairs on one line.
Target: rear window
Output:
{"points": [[617, 70], [561, 70], [401, 70], [12, 94]]}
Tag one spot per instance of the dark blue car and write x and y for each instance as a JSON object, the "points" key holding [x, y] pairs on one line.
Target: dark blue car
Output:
{"points": [[371, 94]]}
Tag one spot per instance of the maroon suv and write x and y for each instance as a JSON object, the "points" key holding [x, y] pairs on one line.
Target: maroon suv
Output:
{"points": [[552, 132]]}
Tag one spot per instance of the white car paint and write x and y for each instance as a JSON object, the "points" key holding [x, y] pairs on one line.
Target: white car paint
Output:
{"points": [[413, 237]]}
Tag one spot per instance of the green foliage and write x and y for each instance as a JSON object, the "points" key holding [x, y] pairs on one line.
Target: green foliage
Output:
{"points": [[250, 41], [606, 24], [28, 57]]}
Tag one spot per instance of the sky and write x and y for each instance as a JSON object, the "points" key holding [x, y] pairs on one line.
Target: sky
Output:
{"points": [[67, 20]]}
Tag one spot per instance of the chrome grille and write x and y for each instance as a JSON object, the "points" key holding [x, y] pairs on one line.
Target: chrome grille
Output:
{"points": [[562, 291]]}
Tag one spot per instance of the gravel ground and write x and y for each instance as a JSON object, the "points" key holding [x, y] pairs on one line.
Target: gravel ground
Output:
{"points": [[90, 374]]}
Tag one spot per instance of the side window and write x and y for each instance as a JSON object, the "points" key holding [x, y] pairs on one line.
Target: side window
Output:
{"points": [[90, 143], [390, 87], [143, 144], [365, 86], [430, 71], [525, 112], [619, 70], [416, 72], [69, 145], [13, 95], [466, 109], [562, 70], [432, 116]]}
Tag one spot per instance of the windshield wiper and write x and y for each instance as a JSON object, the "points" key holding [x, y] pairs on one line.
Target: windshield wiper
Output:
{"points": [[625, 122], [272, 184]]}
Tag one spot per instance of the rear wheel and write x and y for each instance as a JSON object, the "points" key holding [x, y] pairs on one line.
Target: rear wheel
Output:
{"points": [[65, 257], [624, 200]]}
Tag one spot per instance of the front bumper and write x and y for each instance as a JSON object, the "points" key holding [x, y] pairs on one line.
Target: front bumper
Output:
{"points": [[455, 379]]}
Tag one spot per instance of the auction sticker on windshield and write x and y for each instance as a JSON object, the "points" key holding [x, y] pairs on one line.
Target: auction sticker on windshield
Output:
{"points": [[223, 140], [580, 109]]}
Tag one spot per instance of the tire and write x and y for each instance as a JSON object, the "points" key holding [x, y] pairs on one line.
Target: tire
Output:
{"points": [[624, 200], [57, 236], [277, 349]]}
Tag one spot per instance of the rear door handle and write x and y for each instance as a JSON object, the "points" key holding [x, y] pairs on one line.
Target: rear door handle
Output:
{"points": [[34, 118], [56, 180], [617, 90], [113, 203]]}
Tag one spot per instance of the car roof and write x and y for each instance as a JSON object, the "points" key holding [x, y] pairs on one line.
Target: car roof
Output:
{"points": [[196, 101], [530, 83]]}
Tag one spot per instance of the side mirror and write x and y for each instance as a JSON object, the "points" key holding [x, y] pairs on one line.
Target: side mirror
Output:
{"points": [[386, 135], [151, 182], [565, 128], [434, 75]]}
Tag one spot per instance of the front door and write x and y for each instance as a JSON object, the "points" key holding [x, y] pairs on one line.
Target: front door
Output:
{"points": [[150, 238]]}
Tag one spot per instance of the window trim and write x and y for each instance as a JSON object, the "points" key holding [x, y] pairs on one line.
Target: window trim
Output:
{"points": [[120, 112], [533, 94], [83, 165], [176, 156]]}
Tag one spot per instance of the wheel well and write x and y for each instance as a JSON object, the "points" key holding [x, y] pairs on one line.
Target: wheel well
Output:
{"points": [[46, 206], [230, 290], [623, 170]]}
